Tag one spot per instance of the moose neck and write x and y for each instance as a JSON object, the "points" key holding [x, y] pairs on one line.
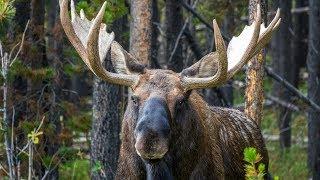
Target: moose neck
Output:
{"points": [[188, 137], [158, 170]]}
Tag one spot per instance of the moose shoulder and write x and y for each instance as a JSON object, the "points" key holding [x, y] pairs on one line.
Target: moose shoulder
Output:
{"points": [[168, 130]]}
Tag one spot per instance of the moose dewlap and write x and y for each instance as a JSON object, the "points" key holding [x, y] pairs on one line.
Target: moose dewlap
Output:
{"points": [[168, 130]]}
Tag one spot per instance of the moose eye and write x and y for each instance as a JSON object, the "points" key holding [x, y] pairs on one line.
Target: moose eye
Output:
{"points": [[135, 99], [180, 101]]}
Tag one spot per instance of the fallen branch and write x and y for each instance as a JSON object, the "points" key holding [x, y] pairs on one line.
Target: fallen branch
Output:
{"points": [[272, 137], [291, 88], [285, 104], [300, 10]]}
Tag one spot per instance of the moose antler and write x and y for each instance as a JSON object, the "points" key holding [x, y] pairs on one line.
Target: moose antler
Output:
{"points": [[220, 56], [92, 42], [240, 50]]}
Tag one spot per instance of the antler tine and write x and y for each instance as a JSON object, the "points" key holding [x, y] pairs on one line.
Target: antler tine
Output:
{"points": [[73, 10], [82, 15], [93, 46], [221, 75], [266, 34], [251, 47], [67, 26], [222, 52], [93, 43], [240, 50]]}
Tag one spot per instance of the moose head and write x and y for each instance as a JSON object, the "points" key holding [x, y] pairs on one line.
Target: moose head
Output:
{"points": [[163, 107]]}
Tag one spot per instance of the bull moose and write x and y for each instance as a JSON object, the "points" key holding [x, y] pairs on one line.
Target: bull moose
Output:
{"points": [[168, 130]]}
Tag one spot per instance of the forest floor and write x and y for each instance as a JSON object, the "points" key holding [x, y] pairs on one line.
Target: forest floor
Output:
{"points": [[291, 163]]}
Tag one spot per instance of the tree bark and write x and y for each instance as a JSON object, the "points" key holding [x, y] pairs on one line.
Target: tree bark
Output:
{"points": [[173, 25], [299, 44], [140, 30], [22, 15], [36, 52], [154, 36], [254, 75], [313, 64], [36, 33], [36, 58], [107, 113], [54, 57], [282, 62]]}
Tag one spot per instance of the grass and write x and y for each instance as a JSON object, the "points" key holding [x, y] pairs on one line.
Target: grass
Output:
{"points": [[74, 170], [291, 164]]}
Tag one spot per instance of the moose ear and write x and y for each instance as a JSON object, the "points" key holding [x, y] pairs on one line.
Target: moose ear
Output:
{"points": [[123, 62], [205, 67]]}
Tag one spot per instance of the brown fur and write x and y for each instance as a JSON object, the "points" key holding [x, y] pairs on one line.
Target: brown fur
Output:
{"points": [[206, 142]]}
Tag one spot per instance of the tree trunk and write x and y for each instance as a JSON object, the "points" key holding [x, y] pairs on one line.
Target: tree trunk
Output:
{"points": [[54, 56], [36, 33], [284, 48], [154, 37], [274, 52], [107, 114], [173, 25], [22, 15], [19, 85], [254, 74], [36, 58], [313, 64], [299, 44], [140, 30]]}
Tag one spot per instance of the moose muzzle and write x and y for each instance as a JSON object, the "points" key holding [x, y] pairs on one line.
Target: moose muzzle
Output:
{"points": [[152, 132]]}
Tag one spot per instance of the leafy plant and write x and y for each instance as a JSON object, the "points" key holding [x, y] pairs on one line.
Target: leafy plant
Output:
{"points": [[254, 169], [97, 167], [34, 136], [7, 10]]}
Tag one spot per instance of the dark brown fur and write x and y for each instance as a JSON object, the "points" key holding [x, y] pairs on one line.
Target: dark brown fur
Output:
{"points": [[206, 142]]}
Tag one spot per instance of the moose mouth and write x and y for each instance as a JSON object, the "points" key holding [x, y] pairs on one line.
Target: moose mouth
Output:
{"points": [[151, 156]]}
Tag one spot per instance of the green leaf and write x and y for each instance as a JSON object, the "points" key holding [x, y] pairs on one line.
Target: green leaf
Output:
{"points": [[7, 10], [250, 154], [97, 167], [34, 137], [261, 168]]}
